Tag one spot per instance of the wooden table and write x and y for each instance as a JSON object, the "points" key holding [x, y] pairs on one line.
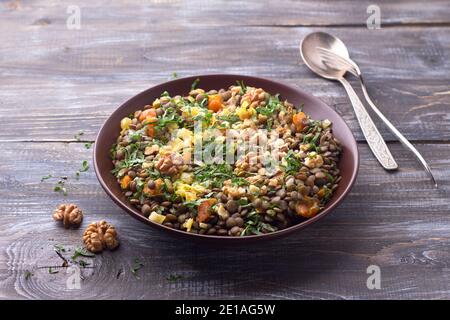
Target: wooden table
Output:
{"points": [[56, 82]]}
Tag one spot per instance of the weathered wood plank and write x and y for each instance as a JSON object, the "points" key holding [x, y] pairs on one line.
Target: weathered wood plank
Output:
{"points": [[72, 80], [397, 221], [117, 54], [57, 111], [233, 12]]}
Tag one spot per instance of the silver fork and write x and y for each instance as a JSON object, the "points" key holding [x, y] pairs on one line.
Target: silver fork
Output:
{"points": [[331, 58]]}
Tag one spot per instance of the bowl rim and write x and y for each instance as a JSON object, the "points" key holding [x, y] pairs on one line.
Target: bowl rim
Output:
{"points": [[352, 144]]}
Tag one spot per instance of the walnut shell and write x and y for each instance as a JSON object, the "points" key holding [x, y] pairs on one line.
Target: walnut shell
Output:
{"points": [[69, 214], [100, 235]]}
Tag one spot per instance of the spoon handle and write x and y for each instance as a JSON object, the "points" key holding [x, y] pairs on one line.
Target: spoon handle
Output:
{"points": [[370, 131], [394, 130]]}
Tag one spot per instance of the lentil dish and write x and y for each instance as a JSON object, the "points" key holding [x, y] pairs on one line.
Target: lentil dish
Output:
{"points": [[153, 162]]}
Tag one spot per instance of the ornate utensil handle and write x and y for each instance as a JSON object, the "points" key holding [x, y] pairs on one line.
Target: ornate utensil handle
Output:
{"points": [[370, 131]]}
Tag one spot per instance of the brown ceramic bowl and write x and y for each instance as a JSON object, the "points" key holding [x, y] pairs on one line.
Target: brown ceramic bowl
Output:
{"points": [[109, 132]]}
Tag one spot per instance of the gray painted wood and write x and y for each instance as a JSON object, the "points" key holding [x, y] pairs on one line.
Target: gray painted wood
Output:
{"points": [[55, 82]]}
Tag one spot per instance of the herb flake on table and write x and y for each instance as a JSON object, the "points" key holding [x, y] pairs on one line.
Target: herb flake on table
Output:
{"points": [[83, 263], [48, 176], [137, 265], [78, 135], [174, 277], [28, 274], [84, 166], [60, 187], [174, 75], [59, 248], [293, 163], [88, 145], [82, 252], [52, 271]]}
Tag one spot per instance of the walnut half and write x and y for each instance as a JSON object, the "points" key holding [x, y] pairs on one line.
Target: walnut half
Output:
{"points": [[100, 235], [169, 164], [69, 214]]}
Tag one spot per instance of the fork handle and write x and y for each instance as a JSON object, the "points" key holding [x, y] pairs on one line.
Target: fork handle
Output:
{"points": [[370, 131], [394, 130]]}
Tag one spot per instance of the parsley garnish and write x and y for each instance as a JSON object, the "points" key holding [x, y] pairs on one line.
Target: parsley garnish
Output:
{"points": [[59, 248], [174, 277], [241, 84], [46, 177], [133, 156], [84, 166], [83, 263], [78, 135], [88, 145], [195, 84], [137, 264], [293, 163], [272, 105], [28, 274], [239, 181], [330, 177], [254, 225], [170, 116], [60, 187], [231, 118], [83, 252], [52, 271]]}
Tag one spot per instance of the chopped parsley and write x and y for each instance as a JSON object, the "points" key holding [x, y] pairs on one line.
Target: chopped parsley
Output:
{"points": [[136, 266], [241, 84], [28, 274], [78, 135], [82, 252], [52, 271], [170, 116], [239, 181], [83, 263], [133, 156], [60, 187], [231, 118], [254, 225], [84, 166], [215, 174], [271, 106], [174, 277], [293, 163], [195, 84], [59, 248], [46, 177]]}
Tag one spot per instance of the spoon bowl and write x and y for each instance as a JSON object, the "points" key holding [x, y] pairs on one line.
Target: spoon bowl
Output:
{"points": [[310, 50], [312, 58]]}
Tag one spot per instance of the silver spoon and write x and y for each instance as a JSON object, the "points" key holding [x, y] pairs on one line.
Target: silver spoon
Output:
{"points": [[311, 57], [352, 67]]}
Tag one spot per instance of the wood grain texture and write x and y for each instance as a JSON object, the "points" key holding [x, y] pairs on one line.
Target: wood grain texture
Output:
{"points": [[397, 221], [55, 82], [72, 80], [166, 13]]}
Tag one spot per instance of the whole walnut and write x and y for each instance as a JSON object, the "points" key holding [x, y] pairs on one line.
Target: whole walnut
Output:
{"points": [[69, 214], [100, 235]]}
